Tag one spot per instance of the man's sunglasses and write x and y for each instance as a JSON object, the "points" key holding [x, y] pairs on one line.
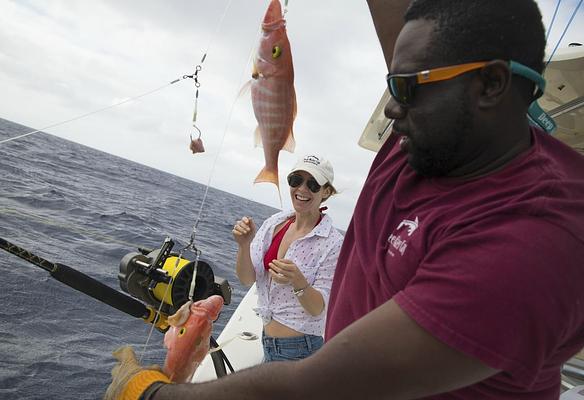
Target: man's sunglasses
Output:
{"points": [[402, 87], [295, 180]]}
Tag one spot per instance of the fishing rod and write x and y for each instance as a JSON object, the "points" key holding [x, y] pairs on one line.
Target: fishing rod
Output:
{"points": [[81, 282]]}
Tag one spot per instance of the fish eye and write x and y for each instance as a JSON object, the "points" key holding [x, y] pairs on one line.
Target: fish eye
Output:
{"points": [[182, 331], [276, 51]]}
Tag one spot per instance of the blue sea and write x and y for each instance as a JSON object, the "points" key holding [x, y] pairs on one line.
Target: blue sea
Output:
{"points": [[77, 206]]}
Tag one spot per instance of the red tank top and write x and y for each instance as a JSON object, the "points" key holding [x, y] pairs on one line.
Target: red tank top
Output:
{"points": [[272, 252]]}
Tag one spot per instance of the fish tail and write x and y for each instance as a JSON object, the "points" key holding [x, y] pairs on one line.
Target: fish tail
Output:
{"points": [[267, 175]]}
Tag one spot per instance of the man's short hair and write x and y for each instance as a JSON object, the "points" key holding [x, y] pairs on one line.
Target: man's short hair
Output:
{"points": [[483, 30]]}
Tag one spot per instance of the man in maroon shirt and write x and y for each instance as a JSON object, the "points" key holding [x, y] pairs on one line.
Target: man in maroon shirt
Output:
{"points": [[471, 222], [461, 273]]}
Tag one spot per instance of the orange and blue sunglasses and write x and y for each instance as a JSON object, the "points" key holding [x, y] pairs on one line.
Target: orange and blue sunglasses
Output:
{"points": [[402, 87]]}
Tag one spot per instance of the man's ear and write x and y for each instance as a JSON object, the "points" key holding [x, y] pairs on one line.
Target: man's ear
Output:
{"points": [[496, 83]]}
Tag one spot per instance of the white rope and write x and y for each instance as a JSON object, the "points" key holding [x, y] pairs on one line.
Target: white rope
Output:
{"points": [[245, 336], [222, 345]]}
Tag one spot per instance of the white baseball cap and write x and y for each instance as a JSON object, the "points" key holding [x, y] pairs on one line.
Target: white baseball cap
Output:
{"points": [[320, 168]]}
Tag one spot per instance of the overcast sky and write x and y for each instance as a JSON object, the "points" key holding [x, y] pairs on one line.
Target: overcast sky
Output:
{"points": [[60, 59]]}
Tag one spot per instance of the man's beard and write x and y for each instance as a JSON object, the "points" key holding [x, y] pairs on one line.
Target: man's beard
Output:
{"points": [[438, 153]]}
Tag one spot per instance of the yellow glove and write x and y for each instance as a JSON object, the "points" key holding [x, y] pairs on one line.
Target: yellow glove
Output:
{"points": [[130, 380]]}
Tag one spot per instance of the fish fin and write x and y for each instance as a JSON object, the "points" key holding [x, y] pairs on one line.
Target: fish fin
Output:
{"points": [[245, 89], [267, 176], [257, 139], [255, 72], [290, 144]]}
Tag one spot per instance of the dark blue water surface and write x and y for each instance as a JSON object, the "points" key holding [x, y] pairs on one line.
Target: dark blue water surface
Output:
{"points": [[87, 209]]}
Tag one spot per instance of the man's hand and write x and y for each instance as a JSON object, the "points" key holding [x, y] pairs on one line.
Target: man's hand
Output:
{"points": [[130, 380]]}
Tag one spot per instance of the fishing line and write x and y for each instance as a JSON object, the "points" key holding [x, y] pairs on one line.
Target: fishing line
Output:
{"points": [[49, 222], [218, 26], [564, 32], [93, 112], [553, 19], [159, 311]]}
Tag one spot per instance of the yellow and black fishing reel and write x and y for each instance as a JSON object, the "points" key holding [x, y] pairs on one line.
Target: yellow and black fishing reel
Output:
{"points": [[162, 280]]}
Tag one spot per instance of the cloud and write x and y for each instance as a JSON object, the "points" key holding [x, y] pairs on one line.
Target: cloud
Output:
{"points": [[61, 59]]}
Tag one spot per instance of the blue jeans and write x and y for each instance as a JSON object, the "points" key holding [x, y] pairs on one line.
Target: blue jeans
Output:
{"points": [[290, 348]]}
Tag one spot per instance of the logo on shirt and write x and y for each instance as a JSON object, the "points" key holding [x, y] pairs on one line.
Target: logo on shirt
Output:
{"points": [[411, 225], [396, 242]]}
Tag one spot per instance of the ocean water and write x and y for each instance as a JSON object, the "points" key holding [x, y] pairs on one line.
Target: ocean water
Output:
{"points": [[77, 206]]}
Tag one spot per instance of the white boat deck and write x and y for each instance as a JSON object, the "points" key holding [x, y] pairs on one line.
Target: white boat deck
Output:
{"points": [[240, 351]]}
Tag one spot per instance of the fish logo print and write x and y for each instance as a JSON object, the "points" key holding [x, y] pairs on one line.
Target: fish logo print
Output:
{"points": [[410, 225]]}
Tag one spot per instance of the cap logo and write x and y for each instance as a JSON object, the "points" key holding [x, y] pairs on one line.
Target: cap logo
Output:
{"points": [[312, 160]]}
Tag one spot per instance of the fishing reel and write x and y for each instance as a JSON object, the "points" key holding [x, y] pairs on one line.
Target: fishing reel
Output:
{"points": [[162, 280]]}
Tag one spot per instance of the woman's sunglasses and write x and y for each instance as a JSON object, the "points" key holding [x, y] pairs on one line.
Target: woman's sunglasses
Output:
{"points": [[402, 87], [295, 180]]}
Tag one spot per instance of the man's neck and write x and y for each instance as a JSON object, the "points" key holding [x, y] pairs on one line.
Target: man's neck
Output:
{"points": [[519, 141]]}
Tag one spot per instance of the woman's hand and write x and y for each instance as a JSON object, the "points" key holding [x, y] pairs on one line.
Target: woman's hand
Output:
{"points": [[285, 272], [244, 231]]}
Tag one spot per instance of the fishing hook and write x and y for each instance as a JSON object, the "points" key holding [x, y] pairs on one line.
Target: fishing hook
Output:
{"points": [[195, 77]]}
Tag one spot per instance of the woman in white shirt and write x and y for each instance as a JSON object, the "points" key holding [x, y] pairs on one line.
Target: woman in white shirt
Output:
{"points": [[292, 259]]}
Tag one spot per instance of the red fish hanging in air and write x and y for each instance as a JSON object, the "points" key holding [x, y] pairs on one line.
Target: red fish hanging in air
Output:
{"points": [[272, 92], [187, 340]]}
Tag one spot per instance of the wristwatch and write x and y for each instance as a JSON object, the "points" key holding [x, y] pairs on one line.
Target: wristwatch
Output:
{"points": [[299, 292]]}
